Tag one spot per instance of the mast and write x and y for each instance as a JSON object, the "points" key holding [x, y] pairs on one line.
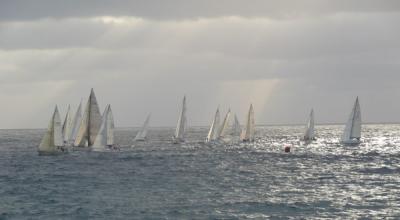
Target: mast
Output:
{"points": [[180, 128], [76, 122], [105, 136], [236, 127], [224, 124], [53, 137], [90, 123], [309, 134], [353, 125], [89, 115], [214, 127], [143, 132], [356, 120], [248, 133], [95, 118], [67, 126]]}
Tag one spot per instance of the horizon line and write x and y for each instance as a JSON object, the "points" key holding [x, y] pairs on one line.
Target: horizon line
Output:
{"points": [[205, 126]]}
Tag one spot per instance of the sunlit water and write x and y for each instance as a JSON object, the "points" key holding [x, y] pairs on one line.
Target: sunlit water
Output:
{"points": [[158, 180]]}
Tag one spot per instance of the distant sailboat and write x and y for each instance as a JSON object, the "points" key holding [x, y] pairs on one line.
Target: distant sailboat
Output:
{"points": [[225, 125], [214, 128], [67, 126], [75, 124], [249, 129], [309, 135], [52, 142], [142, 134], [352, 131], [181, 125], [105, 136], [90, 124]]}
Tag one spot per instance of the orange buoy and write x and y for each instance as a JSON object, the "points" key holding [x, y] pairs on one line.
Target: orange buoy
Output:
{"points": [[287, 149]]}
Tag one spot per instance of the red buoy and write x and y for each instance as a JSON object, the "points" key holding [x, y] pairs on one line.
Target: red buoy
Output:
{"points": [[287, 149]]}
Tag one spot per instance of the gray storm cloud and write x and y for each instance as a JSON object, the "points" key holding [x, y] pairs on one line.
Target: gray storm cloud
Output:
{"points": [[187, 9], [143, 56]]}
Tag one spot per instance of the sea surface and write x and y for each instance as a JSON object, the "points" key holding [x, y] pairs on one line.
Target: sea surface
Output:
{"points": [[159, 180]]}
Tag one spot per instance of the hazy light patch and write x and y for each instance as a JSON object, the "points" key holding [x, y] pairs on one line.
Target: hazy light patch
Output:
{"points": [[276, 64], [119, 20], [30, 103], [240, 94]]}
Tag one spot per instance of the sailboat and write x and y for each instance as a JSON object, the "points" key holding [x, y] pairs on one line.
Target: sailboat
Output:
{"points": [[90, 123], [214, 128], [352, 131], [67, 126], [179, 136], [142, 134], [231, 134], [105, 137], [75, 124], [52, 142], [236, 129], [249, 129], [225, 126], [309, 134]]}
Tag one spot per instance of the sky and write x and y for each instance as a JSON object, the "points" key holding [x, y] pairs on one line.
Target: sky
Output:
{"points": [[142, 56]]}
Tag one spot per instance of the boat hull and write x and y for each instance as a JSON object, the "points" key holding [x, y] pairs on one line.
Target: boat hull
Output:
{"points": [[140, 140], [351, 142], [177, 140], [308, 140], [81, 148], [247, 140]]}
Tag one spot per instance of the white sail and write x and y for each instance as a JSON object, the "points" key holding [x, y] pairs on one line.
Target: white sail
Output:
{"points": [[76, 123], [181, 125], [105, 136], [310, 133], [249, 129], [67, 126], [142, 134], [352, 130], [214, 128], [225, 124], [53, 137], [90, 124], [236, 129]]}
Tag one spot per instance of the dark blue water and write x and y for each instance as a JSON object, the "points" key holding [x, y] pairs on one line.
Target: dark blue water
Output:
{"points": [[158, 180]]}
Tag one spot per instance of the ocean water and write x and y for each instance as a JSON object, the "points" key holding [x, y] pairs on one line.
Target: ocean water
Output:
{"points": [[158, 180]]}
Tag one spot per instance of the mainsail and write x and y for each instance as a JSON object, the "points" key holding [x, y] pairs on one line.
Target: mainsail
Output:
{"points": [[353, 126], [142, 134], [90, 123], [248, 132], [213, 132], [76, 123], [225, 124], [181, 125], [310, 134], [67, 126], [105, 136], [53, 137]]}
